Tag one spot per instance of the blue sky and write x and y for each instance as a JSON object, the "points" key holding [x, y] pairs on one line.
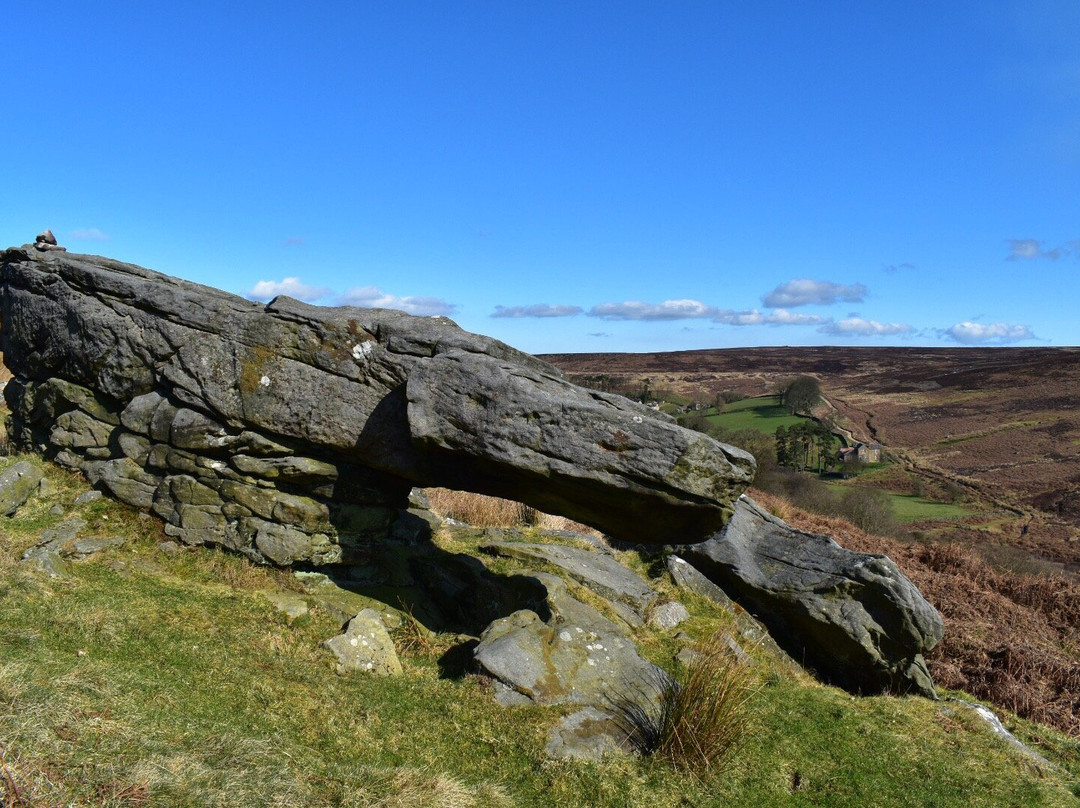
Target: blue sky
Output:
{"points": [[587, 176]]}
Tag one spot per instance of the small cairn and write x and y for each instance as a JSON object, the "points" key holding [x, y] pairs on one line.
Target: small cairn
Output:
{"points": [[47, 241]]}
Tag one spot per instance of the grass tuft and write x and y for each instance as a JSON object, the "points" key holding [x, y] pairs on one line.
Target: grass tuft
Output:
{"points": [[700, 717]]}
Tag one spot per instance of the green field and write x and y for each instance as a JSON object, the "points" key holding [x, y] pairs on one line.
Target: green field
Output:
{"points": [[764, 414], [910, 508]]}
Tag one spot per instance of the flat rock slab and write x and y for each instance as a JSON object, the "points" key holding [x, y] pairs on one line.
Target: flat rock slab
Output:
{"points": [[854, 617], [589, 734], [598, 571]]}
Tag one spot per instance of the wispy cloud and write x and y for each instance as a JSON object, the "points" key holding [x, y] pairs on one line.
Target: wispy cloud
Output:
{"points": [[777, 317], [898, 267], [861, 327], [293, 287], [971, 333], [599, 334], [805, 292], [295, 241], [696, 310], [88, 234], [1027, 249], [371, 297], [536, 310]]}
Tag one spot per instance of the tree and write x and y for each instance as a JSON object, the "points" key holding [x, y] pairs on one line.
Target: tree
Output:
{"points": [[802, 395]]}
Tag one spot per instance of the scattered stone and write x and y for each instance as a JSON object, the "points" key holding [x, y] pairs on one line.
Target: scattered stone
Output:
{"points": [[17, 484], [668, 615], [46, 488], [365, 646], [169, 547], [56, 510], [87, 497], [854, 617]]}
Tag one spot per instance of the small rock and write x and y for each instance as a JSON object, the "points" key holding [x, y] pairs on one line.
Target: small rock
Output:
{"points": [[365, 646], [168, 547], [17, 484], [87, 497], [45, 238], [46, 488], [56, 510], [668, 615]]}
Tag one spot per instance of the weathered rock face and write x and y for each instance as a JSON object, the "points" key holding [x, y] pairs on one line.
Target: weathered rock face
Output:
{"points": [[293, 433], [853, 617]]}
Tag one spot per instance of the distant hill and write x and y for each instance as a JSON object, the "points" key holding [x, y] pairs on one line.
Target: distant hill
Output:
{"points": [[1002, 422]]}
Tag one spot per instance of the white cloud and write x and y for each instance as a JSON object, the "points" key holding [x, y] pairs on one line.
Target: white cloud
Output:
{"points": [[536, 310], [668, 310], [804, 292], [899, 267], [976, 333], [293, 287], [1026, 249], [861, 327], [371, 297], [88, 234]]}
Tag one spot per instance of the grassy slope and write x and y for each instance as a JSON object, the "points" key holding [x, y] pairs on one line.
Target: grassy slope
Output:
{"points": [[147, 679]]}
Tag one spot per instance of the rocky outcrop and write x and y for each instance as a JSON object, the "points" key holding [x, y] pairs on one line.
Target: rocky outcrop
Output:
{"points": [[853, 617], [293, 433]]}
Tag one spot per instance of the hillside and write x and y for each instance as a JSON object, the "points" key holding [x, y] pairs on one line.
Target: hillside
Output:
{"points": [[1003, 424], [152, 675]]}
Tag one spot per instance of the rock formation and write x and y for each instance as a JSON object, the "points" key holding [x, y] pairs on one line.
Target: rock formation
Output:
{"points": [[853, 617], [293, 433]]}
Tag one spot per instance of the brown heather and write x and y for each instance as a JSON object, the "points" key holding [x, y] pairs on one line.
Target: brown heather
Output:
{"points": [[1011, 638]]}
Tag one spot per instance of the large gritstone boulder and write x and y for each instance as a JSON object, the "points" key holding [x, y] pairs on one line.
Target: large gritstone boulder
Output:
{"points": [[293, 433], [853, 617]]}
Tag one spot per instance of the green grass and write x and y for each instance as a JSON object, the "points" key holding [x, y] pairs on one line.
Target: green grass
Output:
{"points": [[148, 679], [764, 414], [910, 508]]}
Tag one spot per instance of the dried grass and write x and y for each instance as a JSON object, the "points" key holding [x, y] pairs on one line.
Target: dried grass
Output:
{"points": [[480, 510]]}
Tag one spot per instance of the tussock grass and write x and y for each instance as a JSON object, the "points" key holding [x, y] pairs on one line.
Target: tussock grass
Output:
{"points": [[700, 716]]}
